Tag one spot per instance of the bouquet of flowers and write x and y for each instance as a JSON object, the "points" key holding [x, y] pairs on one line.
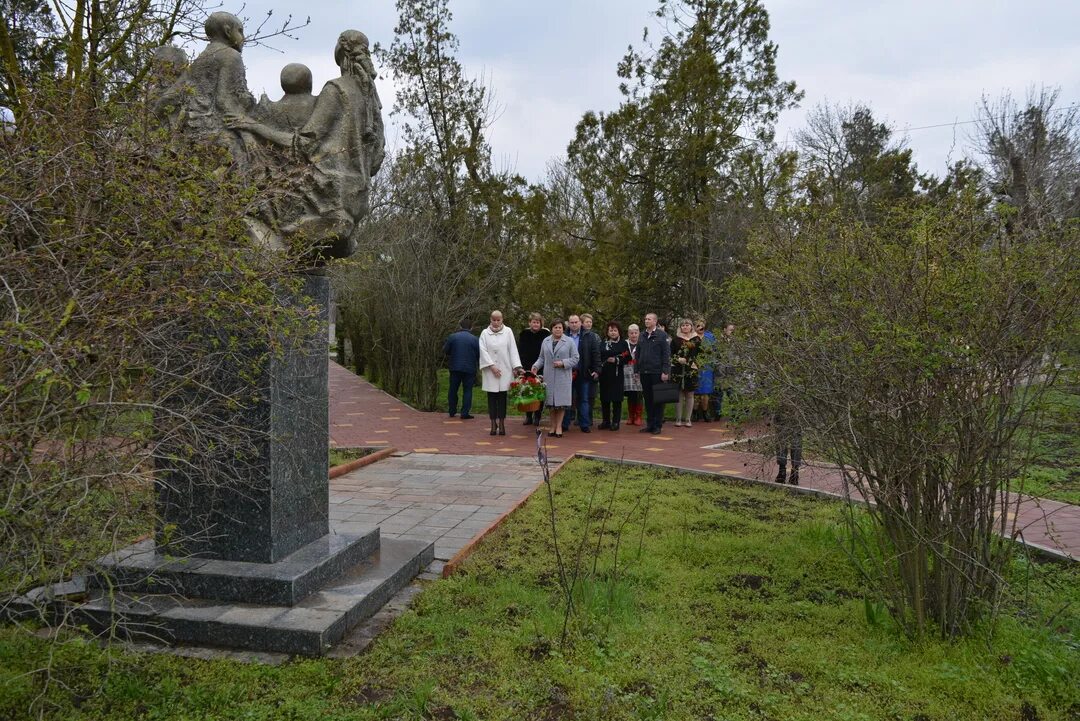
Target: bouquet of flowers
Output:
{"points": [[527, 393]]}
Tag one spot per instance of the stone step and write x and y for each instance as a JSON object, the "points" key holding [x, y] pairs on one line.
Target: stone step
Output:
{"points": [[308, 628], [141, 569]]}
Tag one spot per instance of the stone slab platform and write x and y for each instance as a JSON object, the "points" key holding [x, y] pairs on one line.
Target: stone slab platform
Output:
{"points": [[308, 628], [141, 569]]}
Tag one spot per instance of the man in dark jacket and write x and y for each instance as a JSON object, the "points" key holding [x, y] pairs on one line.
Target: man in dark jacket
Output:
{"points": [[588, 371], [463, 350], [654, 366], [529, 341]]}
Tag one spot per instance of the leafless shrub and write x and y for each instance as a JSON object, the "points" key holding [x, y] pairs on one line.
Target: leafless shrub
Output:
{"points": [[128, 290]]}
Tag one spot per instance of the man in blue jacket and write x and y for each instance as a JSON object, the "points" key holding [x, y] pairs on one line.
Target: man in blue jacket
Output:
{"points": [[463, 350], [587, 372]]}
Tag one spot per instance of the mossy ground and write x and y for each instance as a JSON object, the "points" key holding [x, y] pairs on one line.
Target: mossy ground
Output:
{"points": [[741, 604]]}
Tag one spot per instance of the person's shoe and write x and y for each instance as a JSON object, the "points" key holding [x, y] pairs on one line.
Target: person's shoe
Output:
{"points": [[678, 424], [615, 426], [687, 424], [502, 426], [586, 429], [494, 427], [781, 476], [656, 431], [604, 426], [646, 429], [466, 417], [453, 413], [793, 479]]}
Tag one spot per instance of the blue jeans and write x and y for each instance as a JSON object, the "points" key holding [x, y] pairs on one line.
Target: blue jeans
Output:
{"points": [[466, 381], [582, 404]]}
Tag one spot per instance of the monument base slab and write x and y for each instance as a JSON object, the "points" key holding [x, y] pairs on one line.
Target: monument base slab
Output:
{"points": [[308, 628], [141, 569]]}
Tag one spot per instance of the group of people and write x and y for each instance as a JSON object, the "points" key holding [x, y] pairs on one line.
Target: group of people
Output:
{"points": [[578, 366]]}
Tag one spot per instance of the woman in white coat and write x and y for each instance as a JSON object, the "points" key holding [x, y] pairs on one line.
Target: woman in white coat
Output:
{"points": [[499, 362]]}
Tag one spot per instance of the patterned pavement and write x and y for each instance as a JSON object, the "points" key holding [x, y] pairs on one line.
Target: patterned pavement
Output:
{"points": [[363, 415]]}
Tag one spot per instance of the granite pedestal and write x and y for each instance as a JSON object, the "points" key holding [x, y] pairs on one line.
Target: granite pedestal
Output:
{"points": [[263, 501], [309, 627], [243, 557]]}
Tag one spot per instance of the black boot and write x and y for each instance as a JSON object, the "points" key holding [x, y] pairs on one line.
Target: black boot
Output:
{"points": [[793, 479], [494, 426], [781, 476], [502, 426]]}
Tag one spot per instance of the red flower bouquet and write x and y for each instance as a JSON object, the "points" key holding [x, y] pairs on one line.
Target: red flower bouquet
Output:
{"points": [[527, 393]]}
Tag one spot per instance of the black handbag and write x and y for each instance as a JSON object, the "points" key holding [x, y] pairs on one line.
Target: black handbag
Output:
{"points": [[665, 393]]}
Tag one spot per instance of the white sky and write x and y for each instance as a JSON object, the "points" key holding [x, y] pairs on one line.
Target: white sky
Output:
{"points": [[916, 63]]}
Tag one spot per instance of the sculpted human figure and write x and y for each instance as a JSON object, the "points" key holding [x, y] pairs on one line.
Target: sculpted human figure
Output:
{"points": [[215, 85], [293, 110], [343, 144]]}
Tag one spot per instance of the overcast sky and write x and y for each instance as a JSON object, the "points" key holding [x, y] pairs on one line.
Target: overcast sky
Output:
{"points": [[916, 63]]}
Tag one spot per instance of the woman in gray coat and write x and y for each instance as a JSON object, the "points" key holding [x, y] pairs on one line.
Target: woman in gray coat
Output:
{"points": [[559, 356]]}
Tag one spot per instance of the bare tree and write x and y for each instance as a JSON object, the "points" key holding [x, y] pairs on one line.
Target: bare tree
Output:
{"points": [[912, 352], [1031, 155]]}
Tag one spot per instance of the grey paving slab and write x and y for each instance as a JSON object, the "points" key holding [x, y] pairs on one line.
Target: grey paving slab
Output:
{"points": [[448, 499]]}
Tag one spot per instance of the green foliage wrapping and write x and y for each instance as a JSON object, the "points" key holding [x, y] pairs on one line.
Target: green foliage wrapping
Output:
{"points": [[911, 351]]}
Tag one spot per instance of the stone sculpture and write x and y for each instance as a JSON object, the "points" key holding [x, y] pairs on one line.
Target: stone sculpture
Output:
{"points": [[244, 554], [334, 140]]}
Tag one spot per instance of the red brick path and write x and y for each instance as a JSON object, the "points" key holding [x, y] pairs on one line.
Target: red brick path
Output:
{"points": [[363, 415]]}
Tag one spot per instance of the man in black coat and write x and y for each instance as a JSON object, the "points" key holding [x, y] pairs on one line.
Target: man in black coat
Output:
{"points": [[529, 341], [463, 350], [588, 371], [654, 366]]}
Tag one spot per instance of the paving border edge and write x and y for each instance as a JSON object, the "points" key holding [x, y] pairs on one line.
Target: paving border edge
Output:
{"points": [[458, 558], [361, 462], [455, 563], [1045, 551]]}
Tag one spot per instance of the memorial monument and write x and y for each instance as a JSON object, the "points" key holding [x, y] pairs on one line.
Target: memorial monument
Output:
{"points": [[244, 555]]}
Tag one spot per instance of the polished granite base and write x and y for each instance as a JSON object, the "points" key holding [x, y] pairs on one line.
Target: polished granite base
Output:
{"points": [[141, 569], [308, 627]]}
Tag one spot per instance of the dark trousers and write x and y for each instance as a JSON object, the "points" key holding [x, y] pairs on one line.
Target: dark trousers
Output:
{"points": [[582, 404], [654, 412], [716, 400], [533, 417], [788, 442], [612, 411], [497, 405], [466, 381]]}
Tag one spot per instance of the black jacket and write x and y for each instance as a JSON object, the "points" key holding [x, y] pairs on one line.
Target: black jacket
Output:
{"points": [[529, 342], [589, 351], [654, 353]]}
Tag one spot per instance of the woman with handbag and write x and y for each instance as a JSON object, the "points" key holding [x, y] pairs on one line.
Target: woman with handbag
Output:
{"points": [[558, 359]]}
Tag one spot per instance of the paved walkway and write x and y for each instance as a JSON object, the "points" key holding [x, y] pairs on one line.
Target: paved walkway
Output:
{"points": [[427, 497], [362, 415]]}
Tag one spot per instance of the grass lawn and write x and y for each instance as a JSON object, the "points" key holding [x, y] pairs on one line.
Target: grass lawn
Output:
{"points": [[1056, 472], [340, 456], [740, 605]]}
